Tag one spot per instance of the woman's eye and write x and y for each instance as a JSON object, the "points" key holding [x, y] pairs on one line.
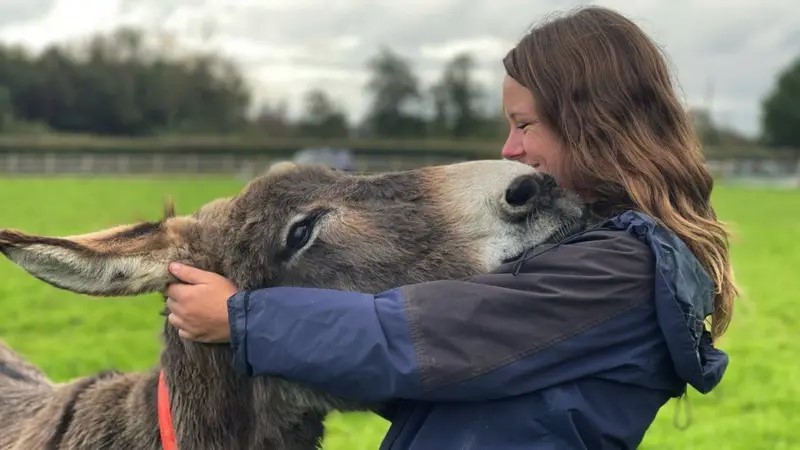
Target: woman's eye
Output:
{"points": [[524, 126], [299, 235]]}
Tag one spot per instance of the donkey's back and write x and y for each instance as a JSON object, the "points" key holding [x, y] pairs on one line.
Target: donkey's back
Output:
{"points": [[36, 413], [23, 389]]}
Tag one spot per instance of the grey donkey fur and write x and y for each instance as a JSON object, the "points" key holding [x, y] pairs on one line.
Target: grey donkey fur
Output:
{"points": [[362, 232]]}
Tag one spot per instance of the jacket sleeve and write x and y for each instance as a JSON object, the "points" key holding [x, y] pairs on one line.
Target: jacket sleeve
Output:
{"points": [[568, 311]]}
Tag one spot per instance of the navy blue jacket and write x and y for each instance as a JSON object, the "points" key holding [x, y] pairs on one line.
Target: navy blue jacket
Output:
{"points": [[575, 346]]}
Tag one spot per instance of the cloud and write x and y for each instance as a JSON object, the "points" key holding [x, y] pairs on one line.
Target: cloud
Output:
{"points": [[12, 11], [482, 47], [58, 20], [725, 53]]}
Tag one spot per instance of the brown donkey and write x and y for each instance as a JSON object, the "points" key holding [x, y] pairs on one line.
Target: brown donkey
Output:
{"points": [[295, 225]]}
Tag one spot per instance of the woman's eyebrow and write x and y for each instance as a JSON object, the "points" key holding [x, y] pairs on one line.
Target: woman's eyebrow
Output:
{"points": [[518, 116]]}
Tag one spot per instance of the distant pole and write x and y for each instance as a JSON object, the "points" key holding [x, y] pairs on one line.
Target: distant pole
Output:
{"points": [[797, 173], [710, 100], [712, 121]]}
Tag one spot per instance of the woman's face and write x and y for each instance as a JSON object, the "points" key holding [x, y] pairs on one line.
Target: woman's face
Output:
{"points": [[530, 141]]}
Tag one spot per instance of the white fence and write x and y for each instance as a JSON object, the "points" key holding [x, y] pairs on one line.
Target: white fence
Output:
{"points": [[783, 172], [765, 171], [136, 163]]}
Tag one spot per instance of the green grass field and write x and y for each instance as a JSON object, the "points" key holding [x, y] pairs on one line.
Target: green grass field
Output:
{"points": [[756, 406]]}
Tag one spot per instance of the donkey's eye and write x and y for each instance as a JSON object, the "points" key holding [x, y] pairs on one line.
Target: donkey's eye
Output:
{"points": [[299, 234]]}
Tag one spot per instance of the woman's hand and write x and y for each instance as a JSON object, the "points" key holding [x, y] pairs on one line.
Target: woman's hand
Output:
{"points": [[199, 308]]}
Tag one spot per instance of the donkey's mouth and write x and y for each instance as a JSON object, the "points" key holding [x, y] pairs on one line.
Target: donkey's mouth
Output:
{"points": [[566, 230], [570, 227]]}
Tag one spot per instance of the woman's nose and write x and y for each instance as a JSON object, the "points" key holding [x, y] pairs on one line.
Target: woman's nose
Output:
{"points": [[513, 149]]}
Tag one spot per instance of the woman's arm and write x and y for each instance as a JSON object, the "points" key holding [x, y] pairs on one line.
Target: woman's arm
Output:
{"points": [[574, 310]]}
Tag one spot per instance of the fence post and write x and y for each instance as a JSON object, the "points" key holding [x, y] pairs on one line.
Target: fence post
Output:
{"points": [[49, 163], [228, 164], [194, 163], [87, 163], [158, 163], [797, 173], [12, 162], [123, 163]]}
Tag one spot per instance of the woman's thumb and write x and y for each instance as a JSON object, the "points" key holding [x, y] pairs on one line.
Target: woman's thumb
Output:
{"points": [[189, 274]]}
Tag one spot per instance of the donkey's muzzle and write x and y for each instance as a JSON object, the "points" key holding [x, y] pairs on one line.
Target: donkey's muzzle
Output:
{"points": [[527, 187]]}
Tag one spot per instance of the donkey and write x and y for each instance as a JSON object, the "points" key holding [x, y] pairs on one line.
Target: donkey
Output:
{"points": [[295, 225]]}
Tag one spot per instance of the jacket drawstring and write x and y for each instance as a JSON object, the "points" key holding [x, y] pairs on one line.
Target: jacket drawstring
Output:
{"points": [[683, 400]]}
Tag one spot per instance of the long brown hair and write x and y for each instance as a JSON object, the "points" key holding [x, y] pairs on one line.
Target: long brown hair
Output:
{"points": [[604, 87]]}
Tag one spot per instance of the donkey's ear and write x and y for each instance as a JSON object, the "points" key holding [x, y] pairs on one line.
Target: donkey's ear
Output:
{"points": [[281, 167], [126, 260]]}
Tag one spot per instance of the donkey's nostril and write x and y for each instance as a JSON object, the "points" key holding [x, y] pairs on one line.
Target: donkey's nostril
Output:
{"points": [[522, 189]]}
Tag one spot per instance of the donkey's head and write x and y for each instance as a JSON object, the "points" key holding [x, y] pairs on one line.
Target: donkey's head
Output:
{"points": [[311, 226]]}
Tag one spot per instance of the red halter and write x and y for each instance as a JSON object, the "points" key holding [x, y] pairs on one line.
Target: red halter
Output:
{"points": [[168, 441]]}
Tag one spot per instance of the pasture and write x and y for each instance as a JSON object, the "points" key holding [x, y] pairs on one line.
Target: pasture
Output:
{"points": [[69, 335]]}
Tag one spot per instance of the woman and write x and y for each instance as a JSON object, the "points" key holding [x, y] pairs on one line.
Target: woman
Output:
{"points": [[583, 345]]}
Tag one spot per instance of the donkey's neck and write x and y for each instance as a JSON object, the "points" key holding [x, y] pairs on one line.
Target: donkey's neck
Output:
{"points": [[214, 406]]}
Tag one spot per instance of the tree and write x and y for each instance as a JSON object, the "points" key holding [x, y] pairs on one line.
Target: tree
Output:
{"points": [[456, 97], [6, 109], [119, 84], [712, 134], [274, 119], [395, 95], [781, 109], [19, 74], [216, 98], [322, 118]]}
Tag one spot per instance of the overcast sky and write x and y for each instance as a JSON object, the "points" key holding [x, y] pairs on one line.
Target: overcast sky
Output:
{"points": [[723, 52]]}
